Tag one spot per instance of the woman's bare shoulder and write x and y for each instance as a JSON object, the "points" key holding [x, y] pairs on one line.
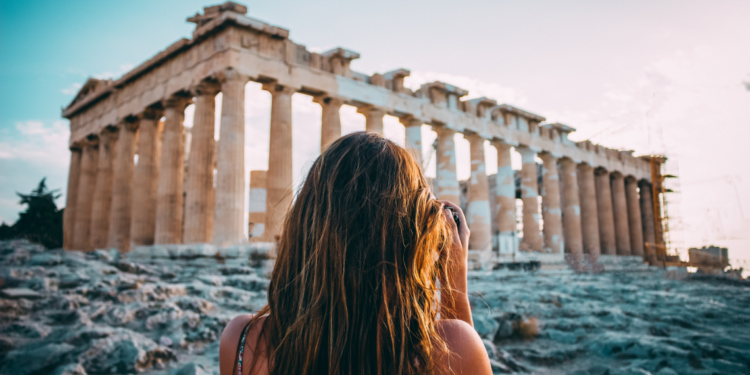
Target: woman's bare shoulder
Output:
{"points": [[230, 340], [467, 352]]}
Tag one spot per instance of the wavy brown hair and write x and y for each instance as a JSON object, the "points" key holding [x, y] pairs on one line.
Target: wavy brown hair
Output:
{"points": [[354, 289]]}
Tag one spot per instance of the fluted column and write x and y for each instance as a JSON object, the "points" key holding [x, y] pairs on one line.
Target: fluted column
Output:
{"points": [[122, 191], [413, 131], [279, 182], [478, 207], [647, 219], [634, 217], [257, 206], [84, 200], [552, 213], [606, 214], [330, 129], [532, 239], [571, 209], [505, 199], [171, 173], [103, 193], [71, 195], [446, 178], [229, 207], [200, 172], [622, 229], [589, 211], [146, 179], [373, 118]]}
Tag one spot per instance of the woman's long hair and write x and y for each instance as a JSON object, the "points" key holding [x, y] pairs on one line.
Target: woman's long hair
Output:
{"points": [[355, 285]]}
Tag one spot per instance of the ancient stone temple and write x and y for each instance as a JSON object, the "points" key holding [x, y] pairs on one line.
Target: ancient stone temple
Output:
{"points": [[594, 200]]}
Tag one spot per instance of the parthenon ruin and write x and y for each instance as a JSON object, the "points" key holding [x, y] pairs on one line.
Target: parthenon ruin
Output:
{"points": [[594, 200]]}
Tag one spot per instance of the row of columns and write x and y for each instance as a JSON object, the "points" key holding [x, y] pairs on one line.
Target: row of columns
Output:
{"points": [[113, 202], [585, 210]]}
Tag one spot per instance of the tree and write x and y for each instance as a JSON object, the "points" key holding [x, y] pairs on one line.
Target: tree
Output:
{"points": [[41, 222]]}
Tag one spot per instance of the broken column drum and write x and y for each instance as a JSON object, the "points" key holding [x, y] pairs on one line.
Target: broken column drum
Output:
{"points": [[169, 200]]}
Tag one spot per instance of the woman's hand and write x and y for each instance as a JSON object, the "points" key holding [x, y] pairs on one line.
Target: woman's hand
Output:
{"points": [[455, 303], [459, 251]]}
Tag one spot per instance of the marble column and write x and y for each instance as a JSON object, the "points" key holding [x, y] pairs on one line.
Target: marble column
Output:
{"points": [[634, 217], [257, 206], [505, 200], [413, 131], [551, 212], [478, 207], [229, 197], [200, 171], [373, 118], [647, 219], [279, 182], [622, 229], [84, 201], [571, 209], [103, 192], [330, 129], [171, 173], [589, 210], [532, 239], [446, 179], [606, 213], [71, 195], [146, 179], [122, 191]]}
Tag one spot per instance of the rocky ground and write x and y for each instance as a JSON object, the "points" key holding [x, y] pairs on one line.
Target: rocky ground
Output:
{"points": [[96, 313]]}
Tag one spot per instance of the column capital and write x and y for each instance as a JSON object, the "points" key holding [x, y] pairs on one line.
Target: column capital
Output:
{"points": [[585, 167], [371, 110], [617, 175], [527, 153], [90, 140], [474, 137], [231, 75], [177, 101], [524, 148], [209, 87], [546, 156], [108, 134], [276, 89], [77, 145], [630, 179], [501, 144], [410, 120], [130, 123], [443, 130], [568, 160], [601, 171], [151, 113], [326, 100]]}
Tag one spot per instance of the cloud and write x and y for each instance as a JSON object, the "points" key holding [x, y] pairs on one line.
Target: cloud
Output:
{"points": [[72, 90], [35, 141], [124, 68], [32, 150]]}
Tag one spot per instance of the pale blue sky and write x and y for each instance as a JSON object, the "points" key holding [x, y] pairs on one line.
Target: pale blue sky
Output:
{"points": [[650, 76]]}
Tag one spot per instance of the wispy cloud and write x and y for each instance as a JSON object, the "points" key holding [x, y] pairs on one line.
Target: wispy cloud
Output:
{"points": [[72, 90], [124, 68]]}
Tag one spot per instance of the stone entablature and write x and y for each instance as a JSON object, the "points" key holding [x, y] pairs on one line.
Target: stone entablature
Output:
{"points": [[227, 39]]}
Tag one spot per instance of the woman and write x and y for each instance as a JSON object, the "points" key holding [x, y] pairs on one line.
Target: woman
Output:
{"points": [[370, 276]]}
